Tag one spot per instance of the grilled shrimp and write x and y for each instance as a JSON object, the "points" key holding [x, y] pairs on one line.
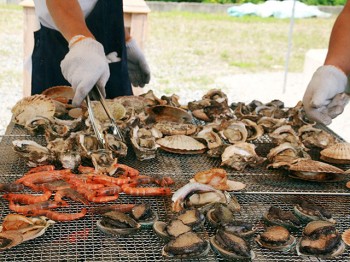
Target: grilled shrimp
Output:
{"points": [[72, 194], [11, 187], [31, 209], [57, 216], [108, 191], [129, 189], [40, 169], [126, 170], [28, 198]]}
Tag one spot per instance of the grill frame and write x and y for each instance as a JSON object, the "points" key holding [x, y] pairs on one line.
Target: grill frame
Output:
{"points": [[81, 240]]}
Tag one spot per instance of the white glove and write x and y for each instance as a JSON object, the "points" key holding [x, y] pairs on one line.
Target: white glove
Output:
{"points": [[327, 82], [84, 66], [138, 69]]}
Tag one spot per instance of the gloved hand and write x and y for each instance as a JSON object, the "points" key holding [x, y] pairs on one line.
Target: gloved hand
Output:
{"points": [[84, 66], [319, 99], [138, 69]]}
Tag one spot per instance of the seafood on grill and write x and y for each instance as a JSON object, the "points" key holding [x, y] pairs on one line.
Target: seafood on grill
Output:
{"points": [[240, 155], [313, 137], [10, 239], [173, 128], [117, 223], [210, 110], [338, 153], [346, 237], [234, 131], [201, 196], [231, 246], [212, 140], [269, 124], [254, 130], [320, 239], [285, 133], [143, 141], [181, 144], [285, 154], [34, 153], [31, 107], [114, 144], [308, 211], [186, 246], [144, 214], [276, 238], [279, 217], [104, 161], [63, 94], [191, 217], [161, 113], [220, 214], [117, 110], [312, 170], [239, 228]]}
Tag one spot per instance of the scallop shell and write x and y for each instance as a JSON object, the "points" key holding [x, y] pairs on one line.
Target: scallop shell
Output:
{"points": [[117, 110], [308, 165], [161, 113], [346, 237], [338, 153], [181, 144], [60, 93], [31, 107]]}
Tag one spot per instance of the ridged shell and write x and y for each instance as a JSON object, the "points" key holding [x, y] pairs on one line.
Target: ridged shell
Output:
{"points": [[308, 165], [338, 153], [346, 237], [31, 107], [60, 93], [161, 113], [181, 144], [117, 110]]}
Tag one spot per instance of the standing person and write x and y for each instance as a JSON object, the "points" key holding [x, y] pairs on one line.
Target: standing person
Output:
{"points": [[331, 79], [71, 46]]}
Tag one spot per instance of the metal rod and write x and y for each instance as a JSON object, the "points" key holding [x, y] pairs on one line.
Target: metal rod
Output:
{"points": [[291, 193], [93, 123]]}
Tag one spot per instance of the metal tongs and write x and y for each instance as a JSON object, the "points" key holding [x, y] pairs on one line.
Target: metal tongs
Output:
{"points": [[95, 94]]}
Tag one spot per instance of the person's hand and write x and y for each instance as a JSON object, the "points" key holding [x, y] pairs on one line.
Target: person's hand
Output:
{"points": [[138, 69], [321, 100], [84, 66]]}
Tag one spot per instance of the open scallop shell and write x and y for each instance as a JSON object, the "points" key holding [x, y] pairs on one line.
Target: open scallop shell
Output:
{"points": [[308, 165], [346, 237], [62, 94], [181, 144], [31, 107], [117, 110], [338, 153], [161, 113]]}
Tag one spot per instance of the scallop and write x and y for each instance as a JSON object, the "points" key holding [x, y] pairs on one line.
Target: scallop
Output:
{"points": [[161, 113], [181, 144], [338, 153], [346, 237]]}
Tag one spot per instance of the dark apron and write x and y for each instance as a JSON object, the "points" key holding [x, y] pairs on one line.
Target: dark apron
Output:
{"points": [[106, 23]]}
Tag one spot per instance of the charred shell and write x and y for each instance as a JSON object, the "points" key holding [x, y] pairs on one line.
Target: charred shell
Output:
{"points": [[10, 239], [144, 215], [188, 245], [277, 216], [191, 217], [276, 238], [220, 214], [176, 227], [231, 246], [117, 223]]}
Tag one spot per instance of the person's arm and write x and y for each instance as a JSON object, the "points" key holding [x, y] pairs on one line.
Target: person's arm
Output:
{"points": [[68, 18], [338, 51]]}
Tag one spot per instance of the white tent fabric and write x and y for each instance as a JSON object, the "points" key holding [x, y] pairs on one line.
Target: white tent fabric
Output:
{"points": [[278, 9]]}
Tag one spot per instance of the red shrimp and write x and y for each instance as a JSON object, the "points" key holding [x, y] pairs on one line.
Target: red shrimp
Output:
{"points": [[58, 216], [40, 169], [72, 194], [92, 195], [44, 176], [28, 198], [55, 185], [164, 181], [86, 169], [11, 187], [108, 180], [108, 191], [84, 181], [129, 189], [116, 207], [126, 170], [30, 209]]}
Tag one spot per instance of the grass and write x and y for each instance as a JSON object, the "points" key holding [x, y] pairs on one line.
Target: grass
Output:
{"points": [[191, 50]]}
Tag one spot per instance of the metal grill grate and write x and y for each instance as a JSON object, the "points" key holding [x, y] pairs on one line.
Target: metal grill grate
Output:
{"points": [[81, 240]]}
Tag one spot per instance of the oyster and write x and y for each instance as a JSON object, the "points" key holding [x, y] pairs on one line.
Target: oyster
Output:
{"points": [[279, 217], [240, 155], [276, 238], [10, 239], [307, 211], [239, 228], [234, 131], [269, 124], [31, 107], [313, 170], [144, 215], [104, 161], [254, 130], [187, 245], [117, 110], [314, 137], [320, 239], [231, 246], [118, 148], [213, 141], [181, 144], [143, 141], [285, 133], [117, 223], [32, 152], [338, 153], [166, 113]]}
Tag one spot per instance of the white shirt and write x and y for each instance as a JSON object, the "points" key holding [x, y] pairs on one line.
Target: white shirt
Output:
{"points": [[45, 18]]}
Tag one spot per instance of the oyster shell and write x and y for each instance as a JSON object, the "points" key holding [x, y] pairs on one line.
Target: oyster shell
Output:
{"points": [[117, 110], [313, 137], [167, 113], [279, 217], [307, 211], [320, 239], [231, 246], [338, 153], [269, 124], [181, 144], [240, 155], [32, 152], [170, 128], [276, 238], [234, 132], [254, 130], [143, 141], [187, 245], [117, 223], [285, 133], [10, 239], [118, 148], [32, 106], [104, 161], [213, 141]]}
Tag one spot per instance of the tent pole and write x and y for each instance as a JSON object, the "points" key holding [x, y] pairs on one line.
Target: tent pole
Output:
{"points": [[290, 39]]}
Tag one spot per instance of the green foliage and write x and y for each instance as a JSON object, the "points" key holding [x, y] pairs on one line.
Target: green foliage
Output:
{"points": [[308, 2]]}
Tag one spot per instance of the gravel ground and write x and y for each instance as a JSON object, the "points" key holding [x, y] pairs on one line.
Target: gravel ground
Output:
{"points": [[238, 87]]}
